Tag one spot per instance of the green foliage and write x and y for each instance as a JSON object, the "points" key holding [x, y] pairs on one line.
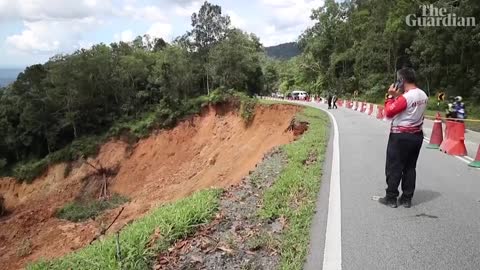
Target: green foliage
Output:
{"points": [[359, 45], [247, 107], [3, 163], [79, 211], [63, 109], [235, 62], [173, 221], [29, 170], [82, 147], [219, 95], [294, 193]]}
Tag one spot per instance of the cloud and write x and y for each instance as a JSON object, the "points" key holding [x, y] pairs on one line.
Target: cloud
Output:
{"points": [[125, 36], [186, 8], [55, 26], [236, 20], [148, 13], [184, 2], [286, 19], [290, 13], [161, 30], [37, 10], [47, 37]]}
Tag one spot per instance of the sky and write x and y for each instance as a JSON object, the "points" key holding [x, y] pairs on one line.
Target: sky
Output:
{"points": [[31, 31]]}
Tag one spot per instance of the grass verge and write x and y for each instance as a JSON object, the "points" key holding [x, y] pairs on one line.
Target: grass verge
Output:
{"points": [[294, 193], [78, 211], [141, 240]]}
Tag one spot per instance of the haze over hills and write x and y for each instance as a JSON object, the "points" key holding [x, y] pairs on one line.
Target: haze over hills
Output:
{"points": [[8, 75], [283, 51]]}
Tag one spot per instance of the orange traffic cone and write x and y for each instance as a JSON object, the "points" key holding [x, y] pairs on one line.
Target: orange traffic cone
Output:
{"points": [[476, 162], [437, 134], [454, 144]]}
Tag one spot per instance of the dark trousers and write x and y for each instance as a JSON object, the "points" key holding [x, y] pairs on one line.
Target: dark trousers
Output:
{"points": [[335, 104], [402, 155]]}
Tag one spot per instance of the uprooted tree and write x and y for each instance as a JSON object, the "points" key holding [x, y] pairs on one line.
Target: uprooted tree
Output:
{"points": [[105, 173]]}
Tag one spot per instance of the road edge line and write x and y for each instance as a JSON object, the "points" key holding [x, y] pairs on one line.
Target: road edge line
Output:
{"points": [[465, 159], [332, 256]]}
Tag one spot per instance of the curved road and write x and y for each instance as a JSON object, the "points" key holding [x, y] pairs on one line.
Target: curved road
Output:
{"points": [[440, 231]]}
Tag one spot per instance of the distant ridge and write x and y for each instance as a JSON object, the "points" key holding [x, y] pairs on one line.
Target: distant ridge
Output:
{"points": [[283, 51]]}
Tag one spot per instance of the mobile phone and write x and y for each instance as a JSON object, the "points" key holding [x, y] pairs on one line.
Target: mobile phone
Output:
{"points": [[398, 85]]}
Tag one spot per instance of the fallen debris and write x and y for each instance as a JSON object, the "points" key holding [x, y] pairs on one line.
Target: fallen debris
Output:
{"points": [[104, 231], [237, 238]]}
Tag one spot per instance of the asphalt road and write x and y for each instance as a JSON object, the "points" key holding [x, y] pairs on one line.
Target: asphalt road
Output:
{"points": [[440, 231]]}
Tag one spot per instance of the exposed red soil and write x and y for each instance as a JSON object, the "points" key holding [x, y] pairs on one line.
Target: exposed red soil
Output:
{"points": [[214, 149]]}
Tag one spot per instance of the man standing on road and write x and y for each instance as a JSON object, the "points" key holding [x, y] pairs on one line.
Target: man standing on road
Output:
{"points": [[406, 104], [334, 102]]}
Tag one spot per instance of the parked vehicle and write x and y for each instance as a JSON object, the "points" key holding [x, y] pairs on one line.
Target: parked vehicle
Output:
{"points": [[300, 95]]}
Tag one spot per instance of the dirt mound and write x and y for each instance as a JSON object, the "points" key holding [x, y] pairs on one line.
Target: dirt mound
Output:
{"points": [[214, 149]]}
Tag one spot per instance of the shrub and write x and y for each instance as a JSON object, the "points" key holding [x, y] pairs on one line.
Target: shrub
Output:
{"points": [[247, 107], [30, 170], [80, 211], [3, 163]]}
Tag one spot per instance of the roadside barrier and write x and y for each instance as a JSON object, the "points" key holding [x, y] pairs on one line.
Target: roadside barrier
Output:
{"points": [[364, 107], [379, 112], [436, 138], [454, 143], [476, 162], [370, 110], [349, 104]]}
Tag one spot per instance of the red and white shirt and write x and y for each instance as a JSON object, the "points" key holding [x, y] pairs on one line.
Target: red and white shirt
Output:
{"points": [[407, 111]]}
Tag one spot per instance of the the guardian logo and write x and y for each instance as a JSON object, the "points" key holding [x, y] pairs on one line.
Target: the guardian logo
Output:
{"points": [[438, 17]]}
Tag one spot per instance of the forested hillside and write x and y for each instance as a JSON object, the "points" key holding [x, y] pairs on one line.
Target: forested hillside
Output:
{"points": [[283, 51], [62, 109], [359, 44]]}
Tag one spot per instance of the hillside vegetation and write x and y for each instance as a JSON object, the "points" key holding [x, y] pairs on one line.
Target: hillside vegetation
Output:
{"points": [[283, 51], [358, 46], [63, 109]]}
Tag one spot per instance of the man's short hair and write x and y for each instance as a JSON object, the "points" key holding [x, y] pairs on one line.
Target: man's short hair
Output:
{"points": [[407, 74]]}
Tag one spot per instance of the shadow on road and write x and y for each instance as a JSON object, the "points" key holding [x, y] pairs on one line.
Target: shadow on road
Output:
{"points": [[424, 196]]}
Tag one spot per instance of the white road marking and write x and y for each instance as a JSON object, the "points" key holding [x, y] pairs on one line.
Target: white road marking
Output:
{"points": [[332, 256], [465, 159]]}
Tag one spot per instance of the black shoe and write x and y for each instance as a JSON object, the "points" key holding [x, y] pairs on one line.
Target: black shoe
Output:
{"points": [[407, 203], [391, 202]]}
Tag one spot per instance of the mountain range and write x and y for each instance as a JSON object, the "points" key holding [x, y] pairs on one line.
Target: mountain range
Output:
{"points": [[283, 51]]}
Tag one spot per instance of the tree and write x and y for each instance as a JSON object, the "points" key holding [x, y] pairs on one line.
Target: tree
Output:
{"points": [[235, 62], [209, 28]]}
